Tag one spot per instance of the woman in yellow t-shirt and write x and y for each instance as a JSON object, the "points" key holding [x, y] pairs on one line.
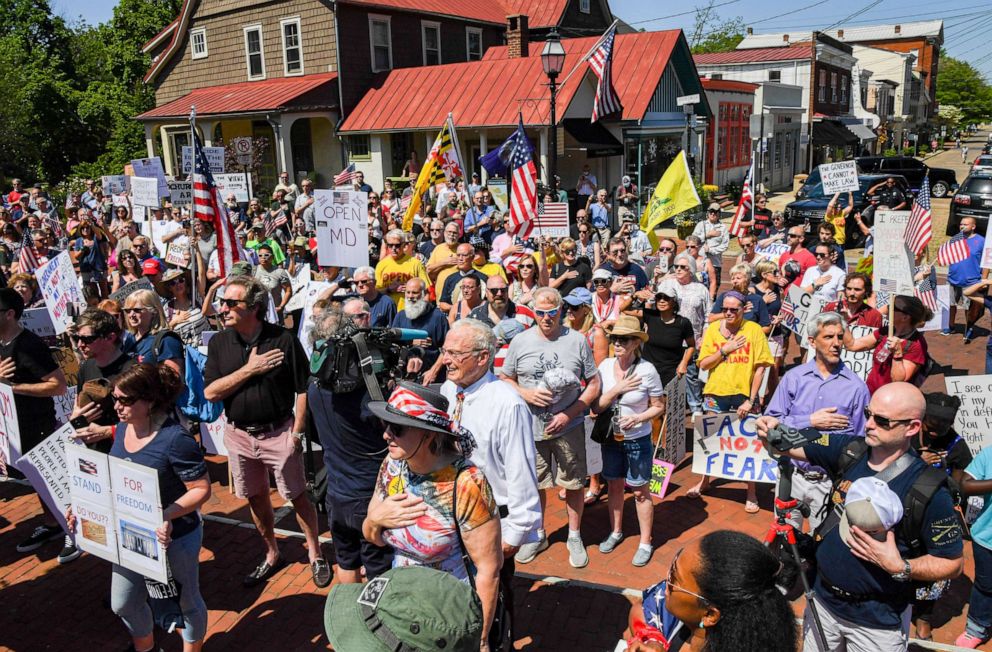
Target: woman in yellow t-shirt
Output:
{"points": [[837, 216], [736, 353]]}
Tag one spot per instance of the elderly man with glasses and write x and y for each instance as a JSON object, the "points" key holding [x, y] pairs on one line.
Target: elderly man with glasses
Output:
{"points": [[464, 266], [382, 310], [714, 235]]}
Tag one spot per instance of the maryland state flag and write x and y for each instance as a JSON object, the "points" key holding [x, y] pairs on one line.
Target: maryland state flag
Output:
{"points": [[673, 194], [444, 162]]}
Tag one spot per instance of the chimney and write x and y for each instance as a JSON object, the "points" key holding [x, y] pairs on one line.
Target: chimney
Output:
{"points": [[750, 31], [898, 29], [840, 34], [517, 36], [785, 38]]}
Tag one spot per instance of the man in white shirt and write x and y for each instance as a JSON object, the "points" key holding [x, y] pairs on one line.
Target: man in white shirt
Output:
{"points": [[501, 423], [715, 236], [825, 279], [587, 183], [304, 207]]}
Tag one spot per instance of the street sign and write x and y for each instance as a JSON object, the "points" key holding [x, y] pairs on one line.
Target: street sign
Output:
{"points": [[242, 150], [682, 100]]}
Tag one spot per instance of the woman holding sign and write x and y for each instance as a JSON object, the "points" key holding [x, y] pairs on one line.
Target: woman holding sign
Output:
{"points": [[901, 354], [149, 435]]}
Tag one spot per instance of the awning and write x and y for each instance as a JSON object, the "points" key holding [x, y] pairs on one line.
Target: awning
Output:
{"points": [[596, 138], [862, 132], [831, 132]]}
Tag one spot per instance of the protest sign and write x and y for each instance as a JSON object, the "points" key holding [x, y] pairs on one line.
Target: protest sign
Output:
{"points": [[181, 193], [313, 292], [236, 183], [860, 362], [215, 159], [45, 468], [92, 503], [805, 306], [893, 262], [38, 321], [661, 475], [178, 253], [986, 251], [941, 316], [64, 403], [773, 251], [299, 281], [141, 284], [139, 214], [10, 432], [159, 229], [68, 363], [497, 188], [121, 200], [137, 514], [212, 436], [674, 449], [151, 167], [727, 447], [974, 418], [60, 287], [144, 191], [114, 184], [342, 227], [839, 177]]}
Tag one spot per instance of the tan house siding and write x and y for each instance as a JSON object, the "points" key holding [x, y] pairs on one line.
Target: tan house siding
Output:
{"points": [[226, 62]]}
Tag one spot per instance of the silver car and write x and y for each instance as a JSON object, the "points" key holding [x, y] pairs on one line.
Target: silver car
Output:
{"points": [[982, 164]]}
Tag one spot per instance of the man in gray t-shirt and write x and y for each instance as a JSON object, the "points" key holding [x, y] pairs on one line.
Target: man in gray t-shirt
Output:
{"points": [[546, 364], [275, 279]]}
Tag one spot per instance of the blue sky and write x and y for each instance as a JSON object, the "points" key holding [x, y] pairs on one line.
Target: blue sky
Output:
{"points": [[967, 23]]}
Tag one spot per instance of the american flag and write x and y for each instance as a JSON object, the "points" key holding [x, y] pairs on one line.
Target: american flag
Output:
{"points": [[953, 251], [523, 184], [345, 176], [787, 309], [919, 230], [601, 61], [208, 205], [27, 259], [553, 219], [926, 291], [745, 205]]}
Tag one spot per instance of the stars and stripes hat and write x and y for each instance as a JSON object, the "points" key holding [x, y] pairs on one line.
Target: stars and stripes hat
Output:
{"points": [[416, 406]]}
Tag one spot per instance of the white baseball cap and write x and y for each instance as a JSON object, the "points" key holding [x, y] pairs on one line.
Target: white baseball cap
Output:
{"points": [[601, 274], [871, 506]]}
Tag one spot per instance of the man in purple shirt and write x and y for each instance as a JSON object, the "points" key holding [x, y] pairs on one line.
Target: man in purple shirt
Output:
{"points": [[824, 394]]}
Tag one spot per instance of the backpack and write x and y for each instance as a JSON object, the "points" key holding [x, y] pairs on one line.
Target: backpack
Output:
{"points": [[914, 503], [192, 403]]}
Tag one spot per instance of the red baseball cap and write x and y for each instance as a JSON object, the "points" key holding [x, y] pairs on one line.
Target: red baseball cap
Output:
{"points": [[151, 267]]}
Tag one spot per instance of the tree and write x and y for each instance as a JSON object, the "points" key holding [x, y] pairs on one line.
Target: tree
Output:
{"points": [[710, 34], [960, 85]]}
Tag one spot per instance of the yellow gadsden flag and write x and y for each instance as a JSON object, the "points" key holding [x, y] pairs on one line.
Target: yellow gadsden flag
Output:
{"points": [[673, 194]]}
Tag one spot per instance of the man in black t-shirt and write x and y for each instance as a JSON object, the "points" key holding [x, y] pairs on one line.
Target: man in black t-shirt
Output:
{"points": [[27, 365]]}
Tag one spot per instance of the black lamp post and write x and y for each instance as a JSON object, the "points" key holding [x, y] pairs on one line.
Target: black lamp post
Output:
{"points": [[553, 60]]}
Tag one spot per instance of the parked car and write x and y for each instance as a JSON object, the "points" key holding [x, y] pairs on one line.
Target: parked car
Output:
{"points": [[982, 164], [943, 181], [812, 208], [973, 199]]}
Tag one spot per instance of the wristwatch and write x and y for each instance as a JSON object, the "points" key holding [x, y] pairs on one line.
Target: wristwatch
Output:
{"points": [[904, 574], [299, 435]]}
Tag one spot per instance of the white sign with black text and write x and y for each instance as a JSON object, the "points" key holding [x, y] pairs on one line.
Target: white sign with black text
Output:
{"points": [[839, 177], [342, 227]]}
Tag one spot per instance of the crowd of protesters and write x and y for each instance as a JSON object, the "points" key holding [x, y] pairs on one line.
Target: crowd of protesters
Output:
{"points": [[529, 341]]}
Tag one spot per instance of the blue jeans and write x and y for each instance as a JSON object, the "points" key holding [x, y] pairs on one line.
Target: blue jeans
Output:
{"points": [[129, 597], [630, 460], [980, 603], [693, 388]]}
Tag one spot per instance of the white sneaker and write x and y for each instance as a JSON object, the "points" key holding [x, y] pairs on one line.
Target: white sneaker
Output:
{"points": [[529, 551], [577, 555]]}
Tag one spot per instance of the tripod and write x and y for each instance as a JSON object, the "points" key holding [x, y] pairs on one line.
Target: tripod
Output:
{"points": [[785, 532]]}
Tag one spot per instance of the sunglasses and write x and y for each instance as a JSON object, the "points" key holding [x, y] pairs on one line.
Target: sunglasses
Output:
{"points": [[619, 252], [179, 280], [819, 256], [680, 267], [601, 281], [232, 303], [497, 290], [732, 311], [670, 582], [366, 281], [541, 314], [795, 235], [524, 266], [126, 401], [134, 310], [666, 249], [568, 252], [581, 231], [140, 246], [87, 339], [395, 245], [621, 339], [885, 423]]}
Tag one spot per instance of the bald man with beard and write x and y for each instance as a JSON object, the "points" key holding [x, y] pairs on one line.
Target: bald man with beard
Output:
{"points": [[420, 314]]}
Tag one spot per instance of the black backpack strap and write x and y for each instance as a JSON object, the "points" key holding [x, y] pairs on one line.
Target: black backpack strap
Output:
{"points": [[914, 504], [161, 335], [851, 453]]}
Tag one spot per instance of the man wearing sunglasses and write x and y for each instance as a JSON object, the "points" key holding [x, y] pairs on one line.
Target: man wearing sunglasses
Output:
{"points": [[396, 268], [826, 279], [864, 587], [465, 266], [714, 235], [797, 259], [382, 308], [627, 275]]}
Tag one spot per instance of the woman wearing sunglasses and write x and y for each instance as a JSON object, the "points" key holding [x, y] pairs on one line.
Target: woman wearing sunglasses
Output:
{"points": [[149, 435], [755, 308], [590, 250], [128, 270], [529, 277], [722, 593], [902, 357], [186, 317], [144, 318], [706, 273], [634, 385]]}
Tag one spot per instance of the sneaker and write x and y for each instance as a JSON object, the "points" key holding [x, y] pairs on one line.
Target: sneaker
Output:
{"points": [[945, 331], [611, 542], [69, 552], [321, 572], [41, 535], [642, 556], [969, 335], [696, 414], [529, 551], [968, 641], [577, 555]]}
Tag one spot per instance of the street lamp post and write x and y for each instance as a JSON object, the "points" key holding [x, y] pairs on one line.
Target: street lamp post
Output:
{"points": [[553, 60]]}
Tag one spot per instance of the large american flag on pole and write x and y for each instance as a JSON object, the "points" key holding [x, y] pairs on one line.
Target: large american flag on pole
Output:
{"points": [[523, 182], [601, 61], [919, 230], [209, 206], [954, 250], [345, 176], [745, 205]]}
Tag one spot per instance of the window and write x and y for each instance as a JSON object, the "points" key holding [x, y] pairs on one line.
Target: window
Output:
{"points": [[381, 43], [431, 36], [253, 52], [359, 147], [198, 41], [473, 43], [843, 89], [775, 75], [833, 87], [734, 148], [821, 86], [292, 48], [584, 6], [716, 75]]}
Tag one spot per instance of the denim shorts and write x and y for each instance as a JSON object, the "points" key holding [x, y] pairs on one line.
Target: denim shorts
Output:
{"points": [[713, 403], [630, 460]]}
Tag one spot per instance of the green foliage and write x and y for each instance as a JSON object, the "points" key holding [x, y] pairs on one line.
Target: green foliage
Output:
{"points": [[711, 34], [890, 152], [962, 87]]}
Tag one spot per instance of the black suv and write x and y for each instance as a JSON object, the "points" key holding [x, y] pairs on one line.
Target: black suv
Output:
{"points": [[813, 205], [973, 199], [942, 180]]}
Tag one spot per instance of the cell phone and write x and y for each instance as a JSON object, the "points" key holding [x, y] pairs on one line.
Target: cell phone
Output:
{"points": [[79, 422]]}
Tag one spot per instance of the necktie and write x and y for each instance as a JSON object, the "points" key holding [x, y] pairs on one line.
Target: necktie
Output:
{"points": [[456, 415]]}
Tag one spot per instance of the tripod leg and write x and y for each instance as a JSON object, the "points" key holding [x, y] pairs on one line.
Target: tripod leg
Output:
{"points": [[821, 639]]}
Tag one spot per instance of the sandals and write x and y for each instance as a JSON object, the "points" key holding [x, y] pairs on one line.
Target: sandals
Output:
{"points": [[751, 507], [697, 491], [593, 496]]}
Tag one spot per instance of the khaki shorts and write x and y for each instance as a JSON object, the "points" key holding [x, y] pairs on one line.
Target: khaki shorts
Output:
{"points": [[252, 456], [565, 457]]}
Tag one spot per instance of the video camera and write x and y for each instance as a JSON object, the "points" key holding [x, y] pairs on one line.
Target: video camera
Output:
{"points": [[783, 438], [375, 356]]}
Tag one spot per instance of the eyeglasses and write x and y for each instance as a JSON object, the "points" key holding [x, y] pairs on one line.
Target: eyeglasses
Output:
{"points": [[885, 423], [675, 587], [133, 310], [364, 281], [665, 249], [601, 281], [621, 339], [731, 311], [179, 280], [819, 256], [458, 356], [541, 314], [795, 235], [232, 303], [86, 339], [497, 290], [126, 401]]}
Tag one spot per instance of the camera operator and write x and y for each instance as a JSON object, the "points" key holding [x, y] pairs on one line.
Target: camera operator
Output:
{"points": [[863, 589], [825, 394]]}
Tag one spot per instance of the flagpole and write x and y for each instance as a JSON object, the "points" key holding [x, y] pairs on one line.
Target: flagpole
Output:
{"points": [[189, 178], [586, 57]]}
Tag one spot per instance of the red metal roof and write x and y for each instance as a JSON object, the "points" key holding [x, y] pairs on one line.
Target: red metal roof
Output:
{"points": [[727, 85], [248, 97], [489, 12], [540, 13], [757, 54], [491, 91]]}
